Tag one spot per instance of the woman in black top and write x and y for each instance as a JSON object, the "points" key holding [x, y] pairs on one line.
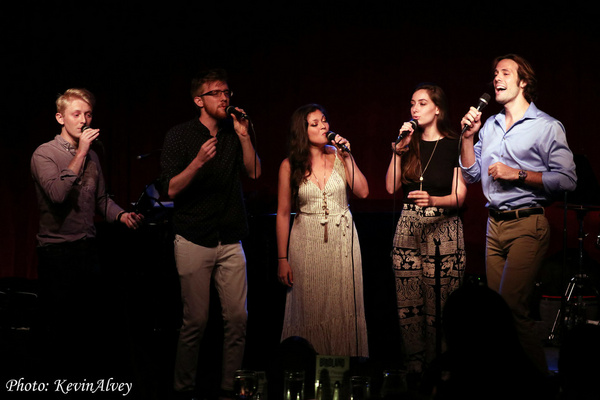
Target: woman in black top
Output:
{"points": [[425, 166]]}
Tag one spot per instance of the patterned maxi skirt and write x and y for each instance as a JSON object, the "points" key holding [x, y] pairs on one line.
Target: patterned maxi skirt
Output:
{"points": [[418, 233]]}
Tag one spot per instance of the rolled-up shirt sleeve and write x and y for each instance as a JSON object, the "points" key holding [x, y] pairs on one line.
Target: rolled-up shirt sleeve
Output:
{"points": [[472, 173], [537, 142]]}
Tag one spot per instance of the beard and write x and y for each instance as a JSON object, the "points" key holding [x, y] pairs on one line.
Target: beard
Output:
{"points": [[217, 112]]}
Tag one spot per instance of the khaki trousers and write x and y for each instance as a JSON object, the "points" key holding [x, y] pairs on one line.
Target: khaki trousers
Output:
{"points": [[196, 266], [514, 253]]}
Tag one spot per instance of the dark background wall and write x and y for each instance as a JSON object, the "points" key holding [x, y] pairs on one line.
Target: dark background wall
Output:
{"points": [[361, 62]]}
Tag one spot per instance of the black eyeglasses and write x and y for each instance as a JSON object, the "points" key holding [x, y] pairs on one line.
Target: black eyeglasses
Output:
{"points": [[215, 93]]}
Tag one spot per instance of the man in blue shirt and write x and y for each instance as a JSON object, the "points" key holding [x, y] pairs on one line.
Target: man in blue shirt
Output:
{"points": [[523, 162]]}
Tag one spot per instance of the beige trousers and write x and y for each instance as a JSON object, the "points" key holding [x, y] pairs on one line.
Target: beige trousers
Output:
{"points": [[197, 265]]}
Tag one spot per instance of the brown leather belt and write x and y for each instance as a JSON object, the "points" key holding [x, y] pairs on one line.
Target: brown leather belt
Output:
{"points": [[514, 214]]}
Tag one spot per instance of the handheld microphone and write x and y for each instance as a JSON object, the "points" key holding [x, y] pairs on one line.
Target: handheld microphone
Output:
{"points": [[331, 136], [231, 110], [414, 124], [97, 140], [484, 100]]}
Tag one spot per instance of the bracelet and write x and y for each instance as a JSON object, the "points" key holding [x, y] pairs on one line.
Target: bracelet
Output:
{"points": [[282, 258], [119, 216]]}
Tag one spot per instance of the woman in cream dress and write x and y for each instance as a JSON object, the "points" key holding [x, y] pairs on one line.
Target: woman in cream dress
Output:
{"points": [[320, 259]]}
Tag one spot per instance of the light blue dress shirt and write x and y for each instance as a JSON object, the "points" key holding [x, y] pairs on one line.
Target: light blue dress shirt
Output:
{"points": [[537, 142]]}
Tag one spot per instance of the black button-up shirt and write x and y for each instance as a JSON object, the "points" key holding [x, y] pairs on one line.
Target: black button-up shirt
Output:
{"points": [[211, 209]]}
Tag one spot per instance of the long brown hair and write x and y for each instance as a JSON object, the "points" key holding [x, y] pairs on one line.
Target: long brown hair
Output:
{"points": [[299, 155], [411, 161]]}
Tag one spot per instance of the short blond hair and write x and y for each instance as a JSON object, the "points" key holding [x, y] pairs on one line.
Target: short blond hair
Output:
{"points": [[69, 95]]}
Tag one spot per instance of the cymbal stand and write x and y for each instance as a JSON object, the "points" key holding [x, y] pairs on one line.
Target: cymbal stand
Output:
{"points": [[573, 300]]}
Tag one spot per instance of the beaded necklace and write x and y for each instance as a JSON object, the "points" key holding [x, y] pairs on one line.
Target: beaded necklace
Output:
{"points": [[324, 220]]}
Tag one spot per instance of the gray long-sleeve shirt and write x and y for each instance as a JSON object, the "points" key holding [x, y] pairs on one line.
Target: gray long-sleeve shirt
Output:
{"points": [[68, 201]]}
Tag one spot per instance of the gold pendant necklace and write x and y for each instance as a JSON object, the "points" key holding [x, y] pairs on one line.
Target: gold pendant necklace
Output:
{"points": [[427, 165]]}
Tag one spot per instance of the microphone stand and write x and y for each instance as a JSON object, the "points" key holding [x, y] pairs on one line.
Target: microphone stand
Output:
{"points": [[438, 299]]}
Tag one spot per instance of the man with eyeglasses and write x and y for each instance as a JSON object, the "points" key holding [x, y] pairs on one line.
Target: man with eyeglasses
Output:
{"points": [[201, 164]]}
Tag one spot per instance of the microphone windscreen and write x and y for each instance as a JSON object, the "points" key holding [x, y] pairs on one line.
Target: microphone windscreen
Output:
{"points": [[483, 101], [230, 110]]}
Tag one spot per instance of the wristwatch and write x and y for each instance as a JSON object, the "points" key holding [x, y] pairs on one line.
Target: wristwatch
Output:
{"points": [[522, 175]]}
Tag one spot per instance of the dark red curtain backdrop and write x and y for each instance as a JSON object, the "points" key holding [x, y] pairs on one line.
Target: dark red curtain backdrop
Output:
{"points": [[360, 63]]}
